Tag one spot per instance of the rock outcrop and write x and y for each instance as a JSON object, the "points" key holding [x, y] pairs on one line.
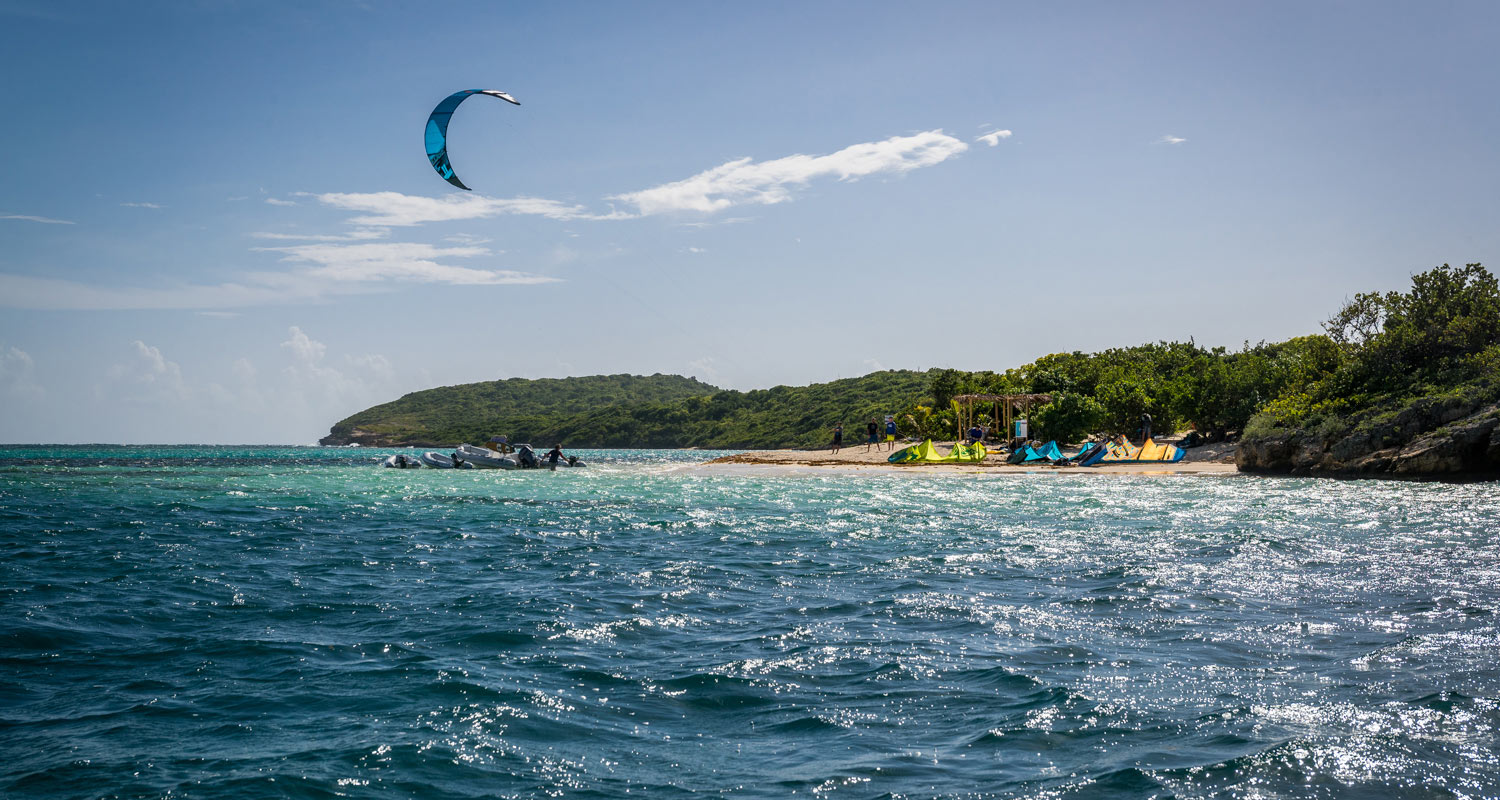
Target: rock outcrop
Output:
{"points": [[1432, 437]]}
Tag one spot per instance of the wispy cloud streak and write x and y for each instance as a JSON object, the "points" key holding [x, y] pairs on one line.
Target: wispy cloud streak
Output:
{"points": [[356, 235], [43, 220], [408, 261], [396, 209], [745, 181]]}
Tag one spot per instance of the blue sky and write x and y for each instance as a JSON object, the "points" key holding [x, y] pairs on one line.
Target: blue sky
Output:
{"points": [[218, 223]]}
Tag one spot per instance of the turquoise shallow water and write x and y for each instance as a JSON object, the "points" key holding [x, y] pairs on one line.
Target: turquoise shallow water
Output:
{"points": [[295, 622]]}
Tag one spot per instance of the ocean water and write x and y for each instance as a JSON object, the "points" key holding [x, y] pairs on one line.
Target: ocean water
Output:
{"points": [[296, 622]]}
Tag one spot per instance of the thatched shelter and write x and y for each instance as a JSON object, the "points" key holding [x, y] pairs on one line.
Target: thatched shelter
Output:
{"points": [[1005, 408]]}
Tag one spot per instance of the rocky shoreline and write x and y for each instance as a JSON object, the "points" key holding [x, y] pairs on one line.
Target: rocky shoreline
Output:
{"points": [[1431, 438]]}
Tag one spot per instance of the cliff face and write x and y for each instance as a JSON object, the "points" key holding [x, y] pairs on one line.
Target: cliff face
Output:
{"points": [[1434, 437]]}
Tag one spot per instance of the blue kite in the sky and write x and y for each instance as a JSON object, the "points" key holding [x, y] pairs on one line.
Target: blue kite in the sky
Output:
{"points": [[437, 130]]}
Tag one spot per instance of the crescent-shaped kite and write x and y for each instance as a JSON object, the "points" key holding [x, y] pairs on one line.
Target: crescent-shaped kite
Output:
{"points": [[437, 130]]}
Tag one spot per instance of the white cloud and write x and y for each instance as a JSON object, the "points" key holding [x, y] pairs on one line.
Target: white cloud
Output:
{"points": [[705, 369], [339, 271], [376, 365], [356, 235], [466, 238], [562, 255], [21, 291], [144, 391], [303, 348], [396, 209], [308, 382], [243, 370], [146, 377], [767, 182], [276, 201], [18, 375], [400, 261], [993, 137], [336, 268], [43, 220], [359, 262], [712, 223], [1170, 139]]}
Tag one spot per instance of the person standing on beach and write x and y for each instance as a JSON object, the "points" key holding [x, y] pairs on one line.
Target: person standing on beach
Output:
{"points": [[890, 432], [838, 436], [872, 430], [1145, 428]]}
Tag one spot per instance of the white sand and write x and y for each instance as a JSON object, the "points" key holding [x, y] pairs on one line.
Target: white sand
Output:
{"points": [[1214, 460]]}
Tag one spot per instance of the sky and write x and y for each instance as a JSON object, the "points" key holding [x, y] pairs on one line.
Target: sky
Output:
{"points": [[218, 223]]}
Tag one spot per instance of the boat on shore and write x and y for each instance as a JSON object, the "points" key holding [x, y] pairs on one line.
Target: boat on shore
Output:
{"points": [[485, 458], [436, 460], [523, 458]]}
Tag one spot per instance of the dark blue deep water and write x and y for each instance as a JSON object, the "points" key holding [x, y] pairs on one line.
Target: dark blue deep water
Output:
{"points": [[295, 622]]}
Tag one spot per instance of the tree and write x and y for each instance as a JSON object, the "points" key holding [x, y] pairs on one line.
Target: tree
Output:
{"points": [[1395, 339], [1126, 395], [1069, 417], [945, 384]]}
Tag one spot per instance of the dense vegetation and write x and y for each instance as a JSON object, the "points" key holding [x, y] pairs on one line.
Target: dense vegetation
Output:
{"points": [[1179, 384], [1438, 342], [626, 411], [780, 417], [473, 412], [1380, 352]]}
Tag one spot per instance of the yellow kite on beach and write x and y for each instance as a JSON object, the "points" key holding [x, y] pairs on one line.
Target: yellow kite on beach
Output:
{"points": [[1121, 452], [926, 453]]}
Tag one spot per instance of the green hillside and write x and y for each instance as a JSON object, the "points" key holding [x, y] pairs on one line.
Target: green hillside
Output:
{"points": [[474, 411], [631, 411], [780, 417]]}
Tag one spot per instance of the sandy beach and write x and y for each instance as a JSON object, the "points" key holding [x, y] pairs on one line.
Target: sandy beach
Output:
{"points": [[1208, 460]]}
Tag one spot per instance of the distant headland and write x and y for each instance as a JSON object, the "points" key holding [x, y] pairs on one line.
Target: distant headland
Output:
{"points": [[1399, 384]]}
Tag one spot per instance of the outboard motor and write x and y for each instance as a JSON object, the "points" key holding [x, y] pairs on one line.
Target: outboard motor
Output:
{"points": [[526, 456]]}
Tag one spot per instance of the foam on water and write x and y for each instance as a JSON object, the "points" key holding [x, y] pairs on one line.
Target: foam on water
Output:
{"points": [[289, 622]]}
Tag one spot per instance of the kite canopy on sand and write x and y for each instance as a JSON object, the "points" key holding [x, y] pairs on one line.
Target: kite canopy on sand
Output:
{"points": [[437, 130], [926, 453]]}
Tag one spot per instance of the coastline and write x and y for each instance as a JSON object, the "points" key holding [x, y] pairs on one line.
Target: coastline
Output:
{"points": [[1210, 462]]}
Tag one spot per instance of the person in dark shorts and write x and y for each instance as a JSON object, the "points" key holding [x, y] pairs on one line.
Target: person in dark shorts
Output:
{"points": [[838, 436], [872, 431], [1145, 427]]}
